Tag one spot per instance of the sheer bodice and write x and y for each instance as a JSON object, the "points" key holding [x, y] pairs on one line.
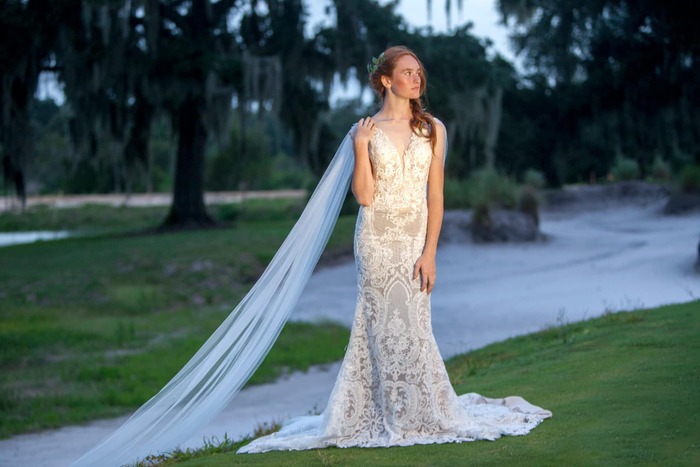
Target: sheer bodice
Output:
{"points": [[400, 179]]}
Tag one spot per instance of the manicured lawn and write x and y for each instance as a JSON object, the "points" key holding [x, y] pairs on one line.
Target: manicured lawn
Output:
{"points": [[93, 326], [623, 389]]}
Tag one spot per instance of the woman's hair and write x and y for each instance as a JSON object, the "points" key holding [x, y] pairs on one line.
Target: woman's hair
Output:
{"points": [[422, 122]]}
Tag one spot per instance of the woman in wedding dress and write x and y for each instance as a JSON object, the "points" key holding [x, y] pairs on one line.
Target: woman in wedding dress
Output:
{"points": [[392, 388]]}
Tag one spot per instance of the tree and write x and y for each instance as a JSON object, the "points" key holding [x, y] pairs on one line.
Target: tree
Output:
{"points": [[622, 77], [466, 89], [286, 74], [26, 35], [302, 69], [123, 62], [195, 57]]}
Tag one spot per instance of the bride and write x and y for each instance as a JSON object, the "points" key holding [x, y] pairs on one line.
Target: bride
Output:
{"points": [[392, 388]]}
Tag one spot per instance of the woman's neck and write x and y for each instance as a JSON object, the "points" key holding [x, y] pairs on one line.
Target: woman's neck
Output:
{"points": [[395, 109]]}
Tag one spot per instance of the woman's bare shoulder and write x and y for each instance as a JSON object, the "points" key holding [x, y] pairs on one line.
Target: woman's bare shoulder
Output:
{"points": [[439, 128], [439, 125]]}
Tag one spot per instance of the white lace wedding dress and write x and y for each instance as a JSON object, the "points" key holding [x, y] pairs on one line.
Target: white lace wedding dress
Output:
{"points": [[392, 389]]}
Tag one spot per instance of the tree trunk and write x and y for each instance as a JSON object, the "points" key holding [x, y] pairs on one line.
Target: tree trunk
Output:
{"points": [[188, 209], [19, 136], [493, 125]]}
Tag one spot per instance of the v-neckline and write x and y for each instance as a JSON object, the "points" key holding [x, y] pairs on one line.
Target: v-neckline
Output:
{"points": [[408, 145]]}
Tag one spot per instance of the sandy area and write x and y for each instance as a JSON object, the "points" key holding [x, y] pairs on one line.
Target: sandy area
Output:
{"points": [[611, 259]]}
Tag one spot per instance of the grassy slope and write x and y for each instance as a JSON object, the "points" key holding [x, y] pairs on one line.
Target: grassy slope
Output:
{"points": [[623, 389], [92, 327]]}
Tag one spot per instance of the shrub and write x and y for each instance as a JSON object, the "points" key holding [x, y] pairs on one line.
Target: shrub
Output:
{"points": [[228, 170], [660, 169], [456, 194], [488, 187], [625, 169], [287, 173], [690, 179], [481, 223], [529, 202], [228, 212], [534, 178]]}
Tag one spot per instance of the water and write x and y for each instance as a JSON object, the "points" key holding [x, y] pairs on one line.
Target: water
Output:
{"points": [[16, 238]]}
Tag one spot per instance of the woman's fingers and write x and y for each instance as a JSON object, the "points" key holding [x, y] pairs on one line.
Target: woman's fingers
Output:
{"points": [[427, 275], [366, 122], [365, 128], [429, 283], [427, 278]]}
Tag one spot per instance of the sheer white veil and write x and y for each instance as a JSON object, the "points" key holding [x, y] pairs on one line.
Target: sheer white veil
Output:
{"points": [[211, 379], [214, 375]]}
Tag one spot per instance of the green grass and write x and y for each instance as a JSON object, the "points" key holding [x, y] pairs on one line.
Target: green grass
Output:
{"points": [[623, 389], [93, 326], [93, 218], [89, 217]]}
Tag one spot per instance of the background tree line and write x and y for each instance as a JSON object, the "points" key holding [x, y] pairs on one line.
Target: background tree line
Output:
{"points": [[193, 95]]}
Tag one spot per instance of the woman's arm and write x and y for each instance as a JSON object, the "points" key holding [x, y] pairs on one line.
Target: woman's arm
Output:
{"points": [[362, 176], [425, 265]]}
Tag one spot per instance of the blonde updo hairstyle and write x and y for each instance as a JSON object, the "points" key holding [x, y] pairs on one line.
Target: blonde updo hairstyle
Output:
{"points": [[422, 123]]}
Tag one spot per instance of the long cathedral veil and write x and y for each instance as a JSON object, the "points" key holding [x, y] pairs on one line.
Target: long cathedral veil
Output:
{"points": [[211, 379]]}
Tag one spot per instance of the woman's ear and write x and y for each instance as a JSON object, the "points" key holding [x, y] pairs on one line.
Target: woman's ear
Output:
{"points": [[386, 82]]}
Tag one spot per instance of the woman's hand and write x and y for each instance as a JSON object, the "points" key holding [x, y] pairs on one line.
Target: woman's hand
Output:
{"points": [[425, 268], [362, 175], [364, 131]]}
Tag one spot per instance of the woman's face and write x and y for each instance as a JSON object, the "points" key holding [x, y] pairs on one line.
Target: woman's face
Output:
{"points": [[406, 78]]}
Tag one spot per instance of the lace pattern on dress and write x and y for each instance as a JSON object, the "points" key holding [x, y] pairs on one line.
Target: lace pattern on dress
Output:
{"points": [[392, 388]]}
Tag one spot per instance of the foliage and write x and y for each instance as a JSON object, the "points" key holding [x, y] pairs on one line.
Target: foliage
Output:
{"points": [[661, 170], [492, 189], [466, 93], [625, 169], [690, 179], [575, 370], [489, 190], [602, 78], [28, 30], [456, 194], [258, 168], [534, 178], [486, 189], [228, 170]]}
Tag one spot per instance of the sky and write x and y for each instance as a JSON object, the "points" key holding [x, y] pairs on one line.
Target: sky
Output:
{"points": [[482, 13]]}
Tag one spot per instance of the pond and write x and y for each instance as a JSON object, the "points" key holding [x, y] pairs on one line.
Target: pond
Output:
{"points": [[16, 238]]}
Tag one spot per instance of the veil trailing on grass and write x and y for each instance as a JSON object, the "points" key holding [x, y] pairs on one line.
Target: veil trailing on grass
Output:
{"points": [[211, 379]]}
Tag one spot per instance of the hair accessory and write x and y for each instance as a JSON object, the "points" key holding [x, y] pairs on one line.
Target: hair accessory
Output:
{"points": [[372, 67]]}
